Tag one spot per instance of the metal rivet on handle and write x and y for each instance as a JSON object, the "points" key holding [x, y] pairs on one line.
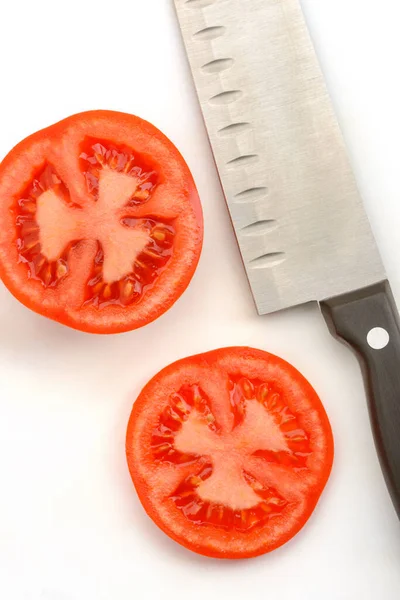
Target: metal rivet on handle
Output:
{"points": [[378, 338]]}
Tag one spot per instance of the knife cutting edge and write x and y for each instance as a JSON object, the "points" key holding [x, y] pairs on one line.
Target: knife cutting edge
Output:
{"points": [[298, 216]]}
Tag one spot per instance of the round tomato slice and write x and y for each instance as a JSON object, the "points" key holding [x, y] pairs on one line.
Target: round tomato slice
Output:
{"points": [[229, 451], [100, 222]]}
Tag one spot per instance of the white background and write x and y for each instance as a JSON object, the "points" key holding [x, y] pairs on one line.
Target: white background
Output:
{"points": [[71, 527]]}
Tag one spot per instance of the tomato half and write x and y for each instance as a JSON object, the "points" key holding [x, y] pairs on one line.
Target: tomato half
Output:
{"points": [[100, 222], [229, 451]]}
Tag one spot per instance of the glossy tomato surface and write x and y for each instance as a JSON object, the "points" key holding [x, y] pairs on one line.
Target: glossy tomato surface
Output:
{"points": [[229, 451], [100, 222]]}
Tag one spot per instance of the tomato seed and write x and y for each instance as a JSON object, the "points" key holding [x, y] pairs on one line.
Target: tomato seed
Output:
{"points": [[128, 289], [162, 448], [142, 195], [140, 265], [247, 388], [273, 401], [107, 292], [181, 407], [176, 417], [159, 235], [195, 481], [47, 274], [187, 494], [297, 434], [61, 269], [262, 393], [128, 165], [113, 162], [151, 254], [99, 157]]}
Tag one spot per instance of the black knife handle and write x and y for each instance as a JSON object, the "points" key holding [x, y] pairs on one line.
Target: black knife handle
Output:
{"points": [[351, 317]]}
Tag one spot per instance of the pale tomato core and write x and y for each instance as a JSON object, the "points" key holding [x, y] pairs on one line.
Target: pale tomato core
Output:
{"points": [[263, 426], [121, 245], [132, 252]]}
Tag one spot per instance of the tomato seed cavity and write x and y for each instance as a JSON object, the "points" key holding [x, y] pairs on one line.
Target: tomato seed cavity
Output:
{"points": [[96, 155], [203, 512], [28, 244]]}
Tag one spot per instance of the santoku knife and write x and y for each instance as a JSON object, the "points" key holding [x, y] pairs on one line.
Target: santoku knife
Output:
{"points": [[297, 213]]}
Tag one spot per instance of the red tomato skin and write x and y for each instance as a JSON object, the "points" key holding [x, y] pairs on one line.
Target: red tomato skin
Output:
{"points": [[203, 545], [18, 165]]}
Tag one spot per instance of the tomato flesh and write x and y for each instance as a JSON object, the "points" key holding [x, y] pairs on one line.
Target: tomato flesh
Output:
{"points": [[120, 206], [229, 451]]}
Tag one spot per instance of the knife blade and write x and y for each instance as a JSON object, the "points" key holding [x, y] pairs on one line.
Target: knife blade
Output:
{"points": [[294, 203]]}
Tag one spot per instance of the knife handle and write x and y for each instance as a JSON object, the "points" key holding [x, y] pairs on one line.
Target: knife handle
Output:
{"points": [[352, 317]]}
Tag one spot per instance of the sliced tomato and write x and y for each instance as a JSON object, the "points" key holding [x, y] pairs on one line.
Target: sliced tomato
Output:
{"points": [[229, 451], [100, 222]]}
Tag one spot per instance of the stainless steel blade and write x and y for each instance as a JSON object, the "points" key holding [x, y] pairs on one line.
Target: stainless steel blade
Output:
{"points": [[292, 196]]}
